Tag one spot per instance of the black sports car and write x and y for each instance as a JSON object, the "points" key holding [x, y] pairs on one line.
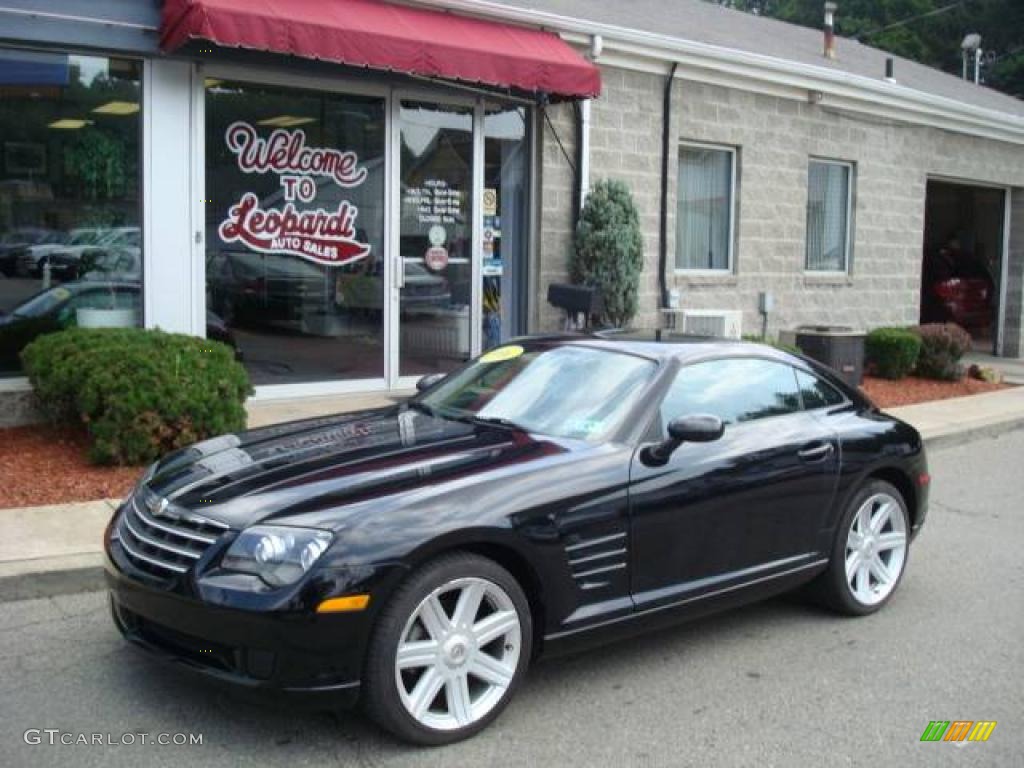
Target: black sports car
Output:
{"points": [[553, 493]]}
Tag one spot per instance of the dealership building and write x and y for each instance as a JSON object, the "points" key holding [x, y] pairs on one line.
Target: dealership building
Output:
{"points": [[356, 193]]}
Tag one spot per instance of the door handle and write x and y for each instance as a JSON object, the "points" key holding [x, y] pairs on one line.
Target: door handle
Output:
{"points": [[399, 272], [816, 452]]}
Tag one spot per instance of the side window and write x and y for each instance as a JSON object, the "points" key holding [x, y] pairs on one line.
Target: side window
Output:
{"points": [[817, 393], [734, 390]]}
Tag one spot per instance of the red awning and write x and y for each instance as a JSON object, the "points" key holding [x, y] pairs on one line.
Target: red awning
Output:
{"points": [[379, 35]]}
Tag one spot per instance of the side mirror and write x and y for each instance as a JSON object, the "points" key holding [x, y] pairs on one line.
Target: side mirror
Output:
{"points": [[429, 380], [698, 428]]}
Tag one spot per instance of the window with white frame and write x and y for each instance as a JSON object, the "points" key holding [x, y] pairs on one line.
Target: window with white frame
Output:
{"points": [[705, 208], [829, 192]]}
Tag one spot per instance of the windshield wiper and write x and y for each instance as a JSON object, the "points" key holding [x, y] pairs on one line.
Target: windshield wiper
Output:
{"points": [[500, 421], [465, 417]]}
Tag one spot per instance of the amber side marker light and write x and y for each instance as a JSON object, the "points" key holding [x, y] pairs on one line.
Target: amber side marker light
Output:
{"points": [[344, 604]]}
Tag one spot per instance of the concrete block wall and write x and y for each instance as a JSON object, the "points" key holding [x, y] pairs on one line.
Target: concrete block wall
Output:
{"points": [[775, 138], [557, 194]]}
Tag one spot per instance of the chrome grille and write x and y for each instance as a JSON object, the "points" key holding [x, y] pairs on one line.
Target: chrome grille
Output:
{"points": [[166, 546]]}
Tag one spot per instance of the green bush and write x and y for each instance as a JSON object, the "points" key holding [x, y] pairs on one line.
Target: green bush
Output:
{"points": [[892, 352], [609, 252], [139, 393], [942, 346]]}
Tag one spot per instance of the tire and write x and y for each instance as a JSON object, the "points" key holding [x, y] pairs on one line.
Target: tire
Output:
{"points": [[437, 697], [847, 594]]}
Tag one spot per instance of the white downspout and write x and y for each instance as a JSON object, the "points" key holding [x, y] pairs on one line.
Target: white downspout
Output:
{"points": [[596, 46], [584, 171]]}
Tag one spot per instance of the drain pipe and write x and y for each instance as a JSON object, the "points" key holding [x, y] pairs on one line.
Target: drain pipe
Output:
{"points": [[583, 137], [666, 141]]}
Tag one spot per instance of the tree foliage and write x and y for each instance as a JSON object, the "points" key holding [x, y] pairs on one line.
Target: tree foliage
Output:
{"points": [[609, 249], [932, 40]]}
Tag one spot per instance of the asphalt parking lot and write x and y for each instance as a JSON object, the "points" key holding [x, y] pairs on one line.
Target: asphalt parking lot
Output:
{"points": [[775, 684]]}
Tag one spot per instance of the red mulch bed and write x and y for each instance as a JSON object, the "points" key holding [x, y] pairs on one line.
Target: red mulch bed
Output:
{"points": [[891, 394], [45, 465]]}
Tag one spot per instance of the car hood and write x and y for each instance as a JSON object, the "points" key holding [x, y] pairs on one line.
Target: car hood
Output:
{"points": [[309, 470]]}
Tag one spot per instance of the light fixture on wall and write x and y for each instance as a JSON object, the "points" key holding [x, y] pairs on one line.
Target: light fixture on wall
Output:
{"points": [[117, 108], [815, 97], [69, 124], [286, 121]]}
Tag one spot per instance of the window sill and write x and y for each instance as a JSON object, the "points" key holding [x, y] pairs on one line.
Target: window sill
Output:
{"points": [[705, 277], [828, 278]]}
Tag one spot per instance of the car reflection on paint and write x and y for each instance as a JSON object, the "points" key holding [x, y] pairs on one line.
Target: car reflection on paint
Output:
{"points": [[555, 493]]}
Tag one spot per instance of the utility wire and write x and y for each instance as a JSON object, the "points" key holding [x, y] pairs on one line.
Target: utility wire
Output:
{"points": [[911, 19], [558, 138]]}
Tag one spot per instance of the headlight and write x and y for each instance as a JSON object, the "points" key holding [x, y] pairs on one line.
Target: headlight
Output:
{"points": [[277, 554]]}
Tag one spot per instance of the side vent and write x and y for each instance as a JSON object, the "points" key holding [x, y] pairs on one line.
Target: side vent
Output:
{"points": [[719, 323], [596, 562]]}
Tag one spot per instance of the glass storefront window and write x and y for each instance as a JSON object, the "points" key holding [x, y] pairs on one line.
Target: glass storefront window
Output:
{"points": [[295, 260], [70, 240]]}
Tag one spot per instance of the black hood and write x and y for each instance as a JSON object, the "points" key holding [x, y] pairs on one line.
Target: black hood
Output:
{"points": [[322, 464]]}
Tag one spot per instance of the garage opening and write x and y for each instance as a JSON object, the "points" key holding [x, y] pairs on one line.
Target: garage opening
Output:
{"points": [[963, 252]]}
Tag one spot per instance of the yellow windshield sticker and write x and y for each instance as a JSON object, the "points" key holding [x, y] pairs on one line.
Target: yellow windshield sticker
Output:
{"points": [[501, 354]]}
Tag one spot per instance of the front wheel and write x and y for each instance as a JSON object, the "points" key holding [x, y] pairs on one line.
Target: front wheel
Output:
{"points": [[870, 552], [448, 651]]}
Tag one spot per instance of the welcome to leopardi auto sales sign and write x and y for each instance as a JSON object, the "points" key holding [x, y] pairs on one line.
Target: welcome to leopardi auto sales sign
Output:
{"points": [[319, 235]]}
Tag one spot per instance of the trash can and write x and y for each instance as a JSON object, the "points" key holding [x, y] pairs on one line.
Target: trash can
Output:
{"points": [[839, 347]]}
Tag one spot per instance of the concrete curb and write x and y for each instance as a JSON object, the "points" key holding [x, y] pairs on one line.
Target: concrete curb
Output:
{"points": [[48, 577]]}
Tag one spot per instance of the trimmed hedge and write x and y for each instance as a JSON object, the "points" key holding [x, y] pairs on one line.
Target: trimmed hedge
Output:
{"points": [[892, 352], [942, 346], [608, 250], [139, 393]]}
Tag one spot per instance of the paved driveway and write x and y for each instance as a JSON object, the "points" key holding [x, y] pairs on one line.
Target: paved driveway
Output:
{"points": [[775, 684]]}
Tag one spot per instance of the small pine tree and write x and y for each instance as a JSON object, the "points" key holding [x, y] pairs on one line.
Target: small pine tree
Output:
{"points": [[609, 252]]}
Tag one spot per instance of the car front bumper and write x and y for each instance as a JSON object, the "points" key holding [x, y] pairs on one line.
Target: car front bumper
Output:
{"points": [[301, 652]]}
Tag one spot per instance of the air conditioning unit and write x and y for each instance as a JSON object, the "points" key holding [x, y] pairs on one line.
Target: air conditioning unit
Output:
{"points": [[719, 323]]}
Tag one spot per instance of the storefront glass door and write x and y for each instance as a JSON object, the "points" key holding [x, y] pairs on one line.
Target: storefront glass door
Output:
{"points": [[434, 275]]}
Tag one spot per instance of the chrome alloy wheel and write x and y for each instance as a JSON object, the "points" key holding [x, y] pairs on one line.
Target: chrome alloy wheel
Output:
{"points": [[876, 549], [458, 653]]}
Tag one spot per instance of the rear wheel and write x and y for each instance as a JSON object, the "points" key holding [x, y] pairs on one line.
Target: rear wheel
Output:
{"points": [[448, 651], [870, 551]]}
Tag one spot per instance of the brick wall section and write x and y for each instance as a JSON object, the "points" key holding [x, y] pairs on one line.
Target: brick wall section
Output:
{"points": [[557, 185], [775, 138], [1013, 344]]}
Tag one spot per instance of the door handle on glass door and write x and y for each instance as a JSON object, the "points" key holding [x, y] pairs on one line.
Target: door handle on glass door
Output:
{"points": [[816, 452], [399, 272]]}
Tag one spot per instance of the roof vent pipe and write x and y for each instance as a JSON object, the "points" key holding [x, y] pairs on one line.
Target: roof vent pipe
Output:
{"points": [[830, 30], [890, 65]]}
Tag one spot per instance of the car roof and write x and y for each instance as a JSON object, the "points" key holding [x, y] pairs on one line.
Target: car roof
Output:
{"points": [[682, 348]]}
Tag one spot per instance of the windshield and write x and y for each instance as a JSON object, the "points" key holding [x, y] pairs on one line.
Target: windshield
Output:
{"points": [[43, 303], [564, 391]]}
